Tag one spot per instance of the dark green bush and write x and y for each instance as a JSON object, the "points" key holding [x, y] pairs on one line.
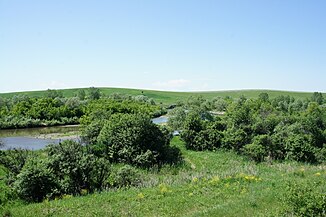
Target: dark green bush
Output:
{"points": [[14, 160], [35, 181], [134, 139], [260, 148], [192, 126], [76, 169], [321, 154], [298, 147], [235, 139]]}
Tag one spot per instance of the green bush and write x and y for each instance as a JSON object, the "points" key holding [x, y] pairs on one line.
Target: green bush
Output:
{"points": [[35, 181], [258, 149], [235, 139], [298, 147], [192, 126], [76, 169], [6, 194], [125, 176], [321, 154], [14, 160], [135, 140], [305, 200]]}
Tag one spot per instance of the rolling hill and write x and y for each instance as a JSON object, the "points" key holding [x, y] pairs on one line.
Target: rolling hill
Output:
{"points": [[168, 97]]}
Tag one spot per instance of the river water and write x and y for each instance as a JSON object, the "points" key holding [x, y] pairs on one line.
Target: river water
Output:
{"points": [[39, 137], [36, 138]]}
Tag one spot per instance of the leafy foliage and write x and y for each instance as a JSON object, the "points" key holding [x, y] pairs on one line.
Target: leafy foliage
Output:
{"points": [[135, 140], [263, 128], [305, 200], [35, 181], [76, 169]]}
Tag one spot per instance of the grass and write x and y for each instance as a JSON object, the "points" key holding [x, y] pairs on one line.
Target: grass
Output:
{"points": [[169, 97], [218, 183]]}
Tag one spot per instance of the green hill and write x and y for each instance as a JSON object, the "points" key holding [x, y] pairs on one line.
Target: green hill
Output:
{"points": [[167, 97]]}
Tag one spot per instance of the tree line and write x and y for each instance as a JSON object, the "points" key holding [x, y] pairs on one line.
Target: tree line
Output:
{"points": [[53, 109]]}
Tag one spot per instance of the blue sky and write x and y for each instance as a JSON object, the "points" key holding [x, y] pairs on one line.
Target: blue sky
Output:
{"points": [[167, 45]]}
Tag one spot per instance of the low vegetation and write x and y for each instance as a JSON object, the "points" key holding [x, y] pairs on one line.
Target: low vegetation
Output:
{"points": [[258, 157]]}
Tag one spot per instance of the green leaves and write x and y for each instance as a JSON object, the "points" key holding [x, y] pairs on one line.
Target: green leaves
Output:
{"points": [[134, 139]]}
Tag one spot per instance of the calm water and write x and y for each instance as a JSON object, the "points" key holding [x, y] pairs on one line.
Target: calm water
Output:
{"points": [[26, 143], [38, 138], [160, 120], [33, 138]]}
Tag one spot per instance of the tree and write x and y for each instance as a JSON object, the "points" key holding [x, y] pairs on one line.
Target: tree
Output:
{"points": [[81, 94], [317, 97], [263, 97], [94, 93], [54, 93], [176, 119]]}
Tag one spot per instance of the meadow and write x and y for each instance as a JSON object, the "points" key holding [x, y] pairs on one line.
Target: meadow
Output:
{"points": [[219, 183]]}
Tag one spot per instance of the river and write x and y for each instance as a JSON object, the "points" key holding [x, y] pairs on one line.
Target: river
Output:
{"points": [[39, 137]]}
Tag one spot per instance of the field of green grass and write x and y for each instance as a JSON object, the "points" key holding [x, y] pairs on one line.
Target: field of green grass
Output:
{"points": [[208, 184], [169, 97]]}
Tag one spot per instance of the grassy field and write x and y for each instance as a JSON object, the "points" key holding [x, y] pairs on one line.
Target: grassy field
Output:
{"points": [[168, 97], [209, 184]]}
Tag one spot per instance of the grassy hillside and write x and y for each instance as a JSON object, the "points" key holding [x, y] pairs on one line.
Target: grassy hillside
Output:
{"points": [[168, 97], [209, 184]]}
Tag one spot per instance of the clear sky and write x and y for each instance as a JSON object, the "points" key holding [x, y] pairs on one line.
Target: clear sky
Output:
{"points": [[164, 44]]}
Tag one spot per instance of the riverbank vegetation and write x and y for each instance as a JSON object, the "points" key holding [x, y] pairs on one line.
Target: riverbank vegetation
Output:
{"points": [[53, 109], [255, 156]]}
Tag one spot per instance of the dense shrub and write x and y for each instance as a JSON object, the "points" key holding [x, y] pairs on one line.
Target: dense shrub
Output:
{"points": [[304, 200], [14, 160], [176, 118], [7, 194], [235, 139], [134, 139], [192, 126], [263, 128], [258, 149], [298, 147], [36, 181], [76, 169]]}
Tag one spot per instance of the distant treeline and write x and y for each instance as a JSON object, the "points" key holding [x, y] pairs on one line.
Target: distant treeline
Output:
{"points": [[52, 109]]}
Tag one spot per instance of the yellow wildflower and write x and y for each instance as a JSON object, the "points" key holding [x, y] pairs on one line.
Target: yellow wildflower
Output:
{"points": [[141, 195], [195, 179]]}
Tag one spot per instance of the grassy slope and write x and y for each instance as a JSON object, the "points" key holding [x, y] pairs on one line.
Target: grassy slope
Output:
{"points": [[192, 190], [172, 97]]}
